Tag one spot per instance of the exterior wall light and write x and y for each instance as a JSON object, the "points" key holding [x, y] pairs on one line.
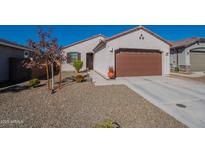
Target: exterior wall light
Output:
{"points": [[111, 50], [26, 54], [167, 54]]}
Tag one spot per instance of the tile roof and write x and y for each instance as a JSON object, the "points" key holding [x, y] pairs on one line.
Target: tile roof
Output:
{"points": [[136, 29], [130, 31], [185, 42], [14, 45], [90, 38]]}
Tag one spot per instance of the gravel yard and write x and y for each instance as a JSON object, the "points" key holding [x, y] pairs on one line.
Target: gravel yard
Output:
{"points": [[80, 105]]}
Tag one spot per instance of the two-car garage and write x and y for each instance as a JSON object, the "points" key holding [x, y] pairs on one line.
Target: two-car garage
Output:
{"points": [[197, 60], [136, 52], [138, 62]]}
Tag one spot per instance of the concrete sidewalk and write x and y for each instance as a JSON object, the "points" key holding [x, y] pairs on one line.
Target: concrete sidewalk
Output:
{"points": [[192, 75], [98, 80]]}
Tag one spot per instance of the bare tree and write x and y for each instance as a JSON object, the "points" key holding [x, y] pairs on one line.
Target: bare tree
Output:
{"points": [[46, 53]]}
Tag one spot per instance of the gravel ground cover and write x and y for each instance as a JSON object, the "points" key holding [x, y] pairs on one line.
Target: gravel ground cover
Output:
{"points": [[79, 105]]}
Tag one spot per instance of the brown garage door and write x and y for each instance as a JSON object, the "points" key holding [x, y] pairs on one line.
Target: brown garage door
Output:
{"points": [[197, 60], [138, 63]]}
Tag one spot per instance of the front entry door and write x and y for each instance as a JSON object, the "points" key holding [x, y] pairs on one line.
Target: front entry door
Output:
{"points": [[89, 61]]}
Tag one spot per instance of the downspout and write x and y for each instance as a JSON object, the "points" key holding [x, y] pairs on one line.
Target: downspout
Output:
{"points": [[177, 56], [115, 62]]}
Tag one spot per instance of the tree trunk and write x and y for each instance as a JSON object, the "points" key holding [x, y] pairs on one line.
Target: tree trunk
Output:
{"points": [[47, 74], [52, 78], [59, 74]]}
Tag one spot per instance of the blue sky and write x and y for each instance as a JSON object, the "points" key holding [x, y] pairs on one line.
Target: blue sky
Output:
{"points": [[69, 34]]}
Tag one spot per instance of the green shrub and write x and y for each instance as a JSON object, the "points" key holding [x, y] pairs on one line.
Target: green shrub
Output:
{"points": [[79, 78], [176, 69], [34, 82], [105, 124], [78, 64]]}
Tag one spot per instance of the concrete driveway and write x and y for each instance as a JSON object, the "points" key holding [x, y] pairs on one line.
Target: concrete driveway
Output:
{"points": [[166, 93], [183, 99]]}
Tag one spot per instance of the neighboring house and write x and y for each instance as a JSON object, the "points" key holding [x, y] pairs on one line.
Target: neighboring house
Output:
{"points": [[82, 50], [188, 54], [136, 52], [10, 50]]}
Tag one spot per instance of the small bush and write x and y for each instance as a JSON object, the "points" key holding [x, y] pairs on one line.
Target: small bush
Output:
{"points": [[78, 64], [34, 82], [176, 69], [108, 123], [79, 78]]}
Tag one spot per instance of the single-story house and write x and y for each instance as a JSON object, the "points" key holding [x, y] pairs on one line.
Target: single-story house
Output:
{"points": [[82, 50], [188, 54], [136, 52], [10, 50]]}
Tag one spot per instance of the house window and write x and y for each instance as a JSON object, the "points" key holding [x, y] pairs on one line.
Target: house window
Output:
{"points": [[72, 56]]}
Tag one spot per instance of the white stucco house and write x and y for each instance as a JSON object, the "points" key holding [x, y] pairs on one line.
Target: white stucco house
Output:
{"points": [[82, 50], [136, 52], [188, 54]]}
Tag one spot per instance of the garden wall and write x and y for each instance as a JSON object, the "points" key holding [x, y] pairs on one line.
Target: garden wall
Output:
{"points": [[19, 73]]}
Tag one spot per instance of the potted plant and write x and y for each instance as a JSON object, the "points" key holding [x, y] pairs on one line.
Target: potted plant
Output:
{"points": [[111, 73]]}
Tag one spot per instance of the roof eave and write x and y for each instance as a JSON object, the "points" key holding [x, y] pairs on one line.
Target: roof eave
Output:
{"points": [[189, 44], [99, 45], [136, 29], [87, 39], [15, 46]]}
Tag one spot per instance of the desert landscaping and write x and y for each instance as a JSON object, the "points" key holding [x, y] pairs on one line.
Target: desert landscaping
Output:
{"points": [[79, 105]]}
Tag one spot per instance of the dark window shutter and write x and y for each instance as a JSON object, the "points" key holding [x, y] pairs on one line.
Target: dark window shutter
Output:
{"points": [[79, 56], [68, 58]]}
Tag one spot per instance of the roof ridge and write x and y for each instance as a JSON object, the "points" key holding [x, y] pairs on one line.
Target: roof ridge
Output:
{"points": [[132, 30], [135, 29], [189, 38], [186, 41], [124, 32]]}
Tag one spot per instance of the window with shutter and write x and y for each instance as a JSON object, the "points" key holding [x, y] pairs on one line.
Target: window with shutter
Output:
{"points": [[72, 56]]}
